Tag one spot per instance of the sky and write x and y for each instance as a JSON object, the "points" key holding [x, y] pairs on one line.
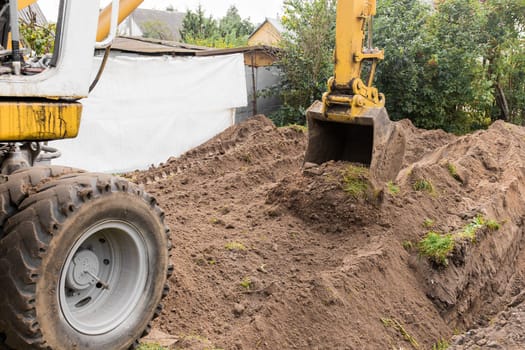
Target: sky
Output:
{"points": [[256, 10]]}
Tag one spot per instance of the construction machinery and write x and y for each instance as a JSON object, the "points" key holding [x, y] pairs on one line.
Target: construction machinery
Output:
{"points": [[351, 122], [84, 257]]}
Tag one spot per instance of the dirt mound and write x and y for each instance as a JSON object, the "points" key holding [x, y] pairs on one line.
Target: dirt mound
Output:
{"points": [[271, 256]]}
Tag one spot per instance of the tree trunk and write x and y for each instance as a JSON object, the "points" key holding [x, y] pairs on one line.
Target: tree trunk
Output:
{"points": [[501, 100]]}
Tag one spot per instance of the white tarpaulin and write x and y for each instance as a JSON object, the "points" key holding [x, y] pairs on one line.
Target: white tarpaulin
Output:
{"points": [[146, 109]]}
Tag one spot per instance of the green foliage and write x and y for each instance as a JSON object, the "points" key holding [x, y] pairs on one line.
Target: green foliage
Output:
{"points": [[479, 222], [408, 245], [355, 181], [493, 225], [393, 189], [472, 228], [246, 283], [230, 31], [457, 67], [395, 324], [424, 185], [437, 247], [232, 25], [40, 39], [453, 171], [504, 58], [454, 68], [306, 59], [156, 30], [398, 29]]}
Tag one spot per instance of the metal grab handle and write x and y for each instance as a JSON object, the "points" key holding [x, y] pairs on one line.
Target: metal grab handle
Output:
{"points": [[113, 28]]}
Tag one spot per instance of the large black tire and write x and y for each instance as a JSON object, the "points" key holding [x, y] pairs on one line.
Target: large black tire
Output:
{"points": [[83, 264]]}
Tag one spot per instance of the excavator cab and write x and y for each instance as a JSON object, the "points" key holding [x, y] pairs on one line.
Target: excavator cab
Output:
{"points": [[84, 257], [351, 123]]}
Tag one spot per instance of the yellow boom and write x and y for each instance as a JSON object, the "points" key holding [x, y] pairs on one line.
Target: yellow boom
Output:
{"points": [[126, 7], [351, 123]]}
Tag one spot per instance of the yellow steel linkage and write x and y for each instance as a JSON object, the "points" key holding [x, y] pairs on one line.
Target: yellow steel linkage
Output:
{"points": [[347, 87]]}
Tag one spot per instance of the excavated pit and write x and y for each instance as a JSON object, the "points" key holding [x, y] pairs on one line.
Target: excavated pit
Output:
{"points": [[271, 256]]}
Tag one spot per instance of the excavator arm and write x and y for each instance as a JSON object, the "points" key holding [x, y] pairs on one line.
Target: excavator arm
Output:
{"points": [[351, 123]]}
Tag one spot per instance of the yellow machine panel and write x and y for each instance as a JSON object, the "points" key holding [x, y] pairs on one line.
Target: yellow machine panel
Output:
{"points": [[39, 121]]}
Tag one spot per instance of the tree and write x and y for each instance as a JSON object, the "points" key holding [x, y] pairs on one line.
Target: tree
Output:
{"points": [[229, 31], [398, 31], [457, 67], [196, 26], [306, 59], [505, 57], [456, 86], [232, 24]]}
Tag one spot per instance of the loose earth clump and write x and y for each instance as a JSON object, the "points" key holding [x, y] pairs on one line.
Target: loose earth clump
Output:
{"points": [[269, 254]]}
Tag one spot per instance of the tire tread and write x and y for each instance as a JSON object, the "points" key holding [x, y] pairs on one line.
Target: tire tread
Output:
{"points": [[39, 201]]}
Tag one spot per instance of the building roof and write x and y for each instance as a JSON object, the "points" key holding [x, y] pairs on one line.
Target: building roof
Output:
{"points": [[172, 19], [33, 13], [258, 56], [148, 46], [277, 24], [274, 22]]}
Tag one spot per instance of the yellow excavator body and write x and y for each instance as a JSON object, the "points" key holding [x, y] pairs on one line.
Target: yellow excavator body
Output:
{"points": [[48, 117], [351, 122]]}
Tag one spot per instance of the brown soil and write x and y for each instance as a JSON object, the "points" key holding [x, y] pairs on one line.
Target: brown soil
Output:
{"points": [[271, 256]]}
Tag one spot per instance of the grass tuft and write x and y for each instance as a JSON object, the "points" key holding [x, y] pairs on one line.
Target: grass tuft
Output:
{"points": [[436, 247], [493, 225], [423, 185], [393, 189], [408, 245], [246, 283], [472, 228], [453, 172], [355, 181], [428, 223], [441, 345], [395, 324]]}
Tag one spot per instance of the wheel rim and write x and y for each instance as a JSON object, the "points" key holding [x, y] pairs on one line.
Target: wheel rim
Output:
{"points": [[104, 277]]}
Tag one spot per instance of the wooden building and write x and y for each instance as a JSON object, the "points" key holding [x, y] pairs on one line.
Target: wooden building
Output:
{"points": [[269, 33]]}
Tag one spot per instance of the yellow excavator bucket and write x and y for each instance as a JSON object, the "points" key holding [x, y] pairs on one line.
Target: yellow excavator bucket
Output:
{"points": [[371, 140], [351, 123]]}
